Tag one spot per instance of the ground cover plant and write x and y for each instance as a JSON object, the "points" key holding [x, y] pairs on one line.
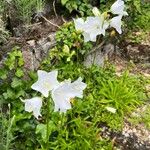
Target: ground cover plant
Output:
{"points": [[65, 105]]}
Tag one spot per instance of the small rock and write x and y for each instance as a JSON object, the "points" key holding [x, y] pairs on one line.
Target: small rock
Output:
{"points": [[46, 47], [31, 43], [98, 55]]}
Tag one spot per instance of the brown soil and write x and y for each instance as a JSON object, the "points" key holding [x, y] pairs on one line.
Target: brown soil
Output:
{"points": [[133, 56], [35, 32]]}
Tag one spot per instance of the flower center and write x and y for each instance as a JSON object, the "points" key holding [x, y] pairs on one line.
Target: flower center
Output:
{"points": [[47, 85]]}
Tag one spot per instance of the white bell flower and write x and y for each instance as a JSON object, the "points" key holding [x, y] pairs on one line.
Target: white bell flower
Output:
{"points": [[79, 24], [33, 105], [118, 8], [111, 109], [77, 87], [116, 23], [46, 82], [94, 26], [87, 37], [65, 92]]}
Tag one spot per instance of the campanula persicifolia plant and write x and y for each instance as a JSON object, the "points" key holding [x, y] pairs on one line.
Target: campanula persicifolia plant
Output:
{"points": [[61, 95]]}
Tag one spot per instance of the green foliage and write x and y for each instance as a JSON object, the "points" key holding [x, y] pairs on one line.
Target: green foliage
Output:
{"points": [[40, 5], [11, 75], [13, 86], [120, 93], [24, 10], [4, 4], [142, 21], [83, 7], [106, 89], [70, 45], [139, 14], [80, 127], [6, 124]]}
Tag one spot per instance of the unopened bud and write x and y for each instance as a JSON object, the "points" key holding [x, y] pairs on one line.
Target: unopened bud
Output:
{"points": [[105, 14], [95, 11]]}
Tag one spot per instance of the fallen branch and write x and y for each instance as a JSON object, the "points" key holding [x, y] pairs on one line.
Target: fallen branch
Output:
{"points": [[50, 22]]}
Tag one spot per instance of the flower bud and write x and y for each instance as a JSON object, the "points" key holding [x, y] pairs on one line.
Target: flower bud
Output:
{"points": [[96, 12]]}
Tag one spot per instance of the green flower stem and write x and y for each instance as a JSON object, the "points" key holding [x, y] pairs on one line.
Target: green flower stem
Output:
{"points": [[8, 138], [47, 122]]}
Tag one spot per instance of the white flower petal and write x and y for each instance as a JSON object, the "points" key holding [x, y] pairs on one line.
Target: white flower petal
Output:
{"points": [[105, 26], [78, 86], [79, 23], [28, 106], [93, 37], [116, 23], [111, 109], [61, 98], [86, 37], [33, 105], [93, 27], [46, 82], [65, 91], [118, 8]]}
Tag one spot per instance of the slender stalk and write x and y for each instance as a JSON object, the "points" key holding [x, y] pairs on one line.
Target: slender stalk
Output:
{"points": [[47, 123], [8, 139], [2, 123], [50, 22]]}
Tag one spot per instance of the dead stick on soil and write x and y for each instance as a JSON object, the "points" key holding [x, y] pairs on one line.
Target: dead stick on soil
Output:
{"points": [[51, 22], [55, 8], [96, 48], [35, 24], [63, 19]]}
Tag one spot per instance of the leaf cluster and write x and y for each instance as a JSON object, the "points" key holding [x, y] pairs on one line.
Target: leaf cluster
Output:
{"points": [[70, 46], [139, 14], [83, 7]]}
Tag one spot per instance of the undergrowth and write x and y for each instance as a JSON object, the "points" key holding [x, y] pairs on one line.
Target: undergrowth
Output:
{"points": [[80, 126]]}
